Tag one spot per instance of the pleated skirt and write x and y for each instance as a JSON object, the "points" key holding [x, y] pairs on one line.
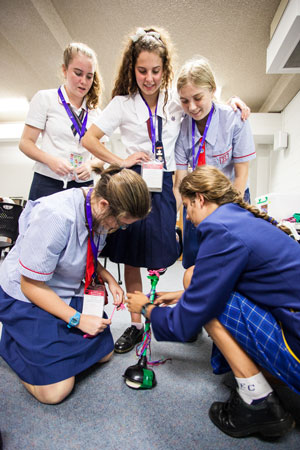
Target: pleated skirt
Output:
{"points": [[150, 242]]}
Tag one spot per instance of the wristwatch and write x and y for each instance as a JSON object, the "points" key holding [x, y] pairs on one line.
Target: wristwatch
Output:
{"points": [[74, 320], [144, 308]]}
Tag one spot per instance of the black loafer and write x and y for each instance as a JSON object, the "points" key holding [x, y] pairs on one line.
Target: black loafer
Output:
{"points": [[238, 419], [129, 339]]}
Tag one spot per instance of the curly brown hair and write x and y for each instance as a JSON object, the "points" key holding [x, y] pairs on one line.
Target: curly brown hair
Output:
{"points": [[93, 96], [125, 83], [217, 188]]}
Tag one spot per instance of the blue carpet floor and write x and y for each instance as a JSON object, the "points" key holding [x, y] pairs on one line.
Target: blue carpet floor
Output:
{"points": [[103, 413]]}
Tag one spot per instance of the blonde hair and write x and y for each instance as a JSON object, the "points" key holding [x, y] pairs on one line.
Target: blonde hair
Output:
{"points": [[125, 83], [93, 96], [125, 191], [198, 72], [217, 188]]}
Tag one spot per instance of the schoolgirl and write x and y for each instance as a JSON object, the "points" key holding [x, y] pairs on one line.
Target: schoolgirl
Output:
{"points": [[41, 288], [245, 292], [210, 133], [148, 115], [61, 116]]}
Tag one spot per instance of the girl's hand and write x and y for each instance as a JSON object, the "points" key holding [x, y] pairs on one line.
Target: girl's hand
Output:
{"points": [[136, 158], [236, 102], [117, 292], [92, 325], [60, 166], [136, 301], [83, 172], [167, 298]]}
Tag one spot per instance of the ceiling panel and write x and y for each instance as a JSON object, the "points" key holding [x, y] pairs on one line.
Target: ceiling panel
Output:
{"points": [[232, 34]]}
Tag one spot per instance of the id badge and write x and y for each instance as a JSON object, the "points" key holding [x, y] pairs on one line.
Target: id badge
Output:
{"points": [[152, 173], [94, 300], [76, 160]]}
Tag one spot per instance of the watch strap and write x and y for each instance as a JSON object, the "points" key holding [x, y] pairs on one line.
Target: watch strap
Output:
{"points": [[144, 308], [74, 321]]}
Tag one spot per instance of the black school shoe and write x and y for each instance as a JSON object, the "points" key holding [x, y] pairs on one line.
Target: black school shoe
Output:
{"points": [[238, 419], [129, 339]]}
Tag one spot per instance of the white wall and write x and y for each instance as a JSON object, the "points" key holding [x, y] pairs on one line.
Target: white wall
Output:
{"points": [[15, 171], [285, 164]]}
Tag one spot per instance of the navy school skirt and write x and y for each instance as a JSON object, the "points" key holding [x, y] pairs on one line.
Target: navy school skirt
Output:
{"points": [[40, 348], [43, 186], [150, 242]]}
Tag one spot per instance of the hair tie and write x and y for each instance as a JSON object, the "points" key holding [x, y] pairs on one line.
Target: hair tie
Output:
{"points": [[141, 33]]}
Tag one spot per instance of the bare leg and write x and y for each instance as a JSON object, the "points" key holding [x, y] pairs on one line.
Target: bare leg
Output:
{"points": [[187, 277], [106, 358], [133, 282], [241, 365], [51, 393], [133, 334]]}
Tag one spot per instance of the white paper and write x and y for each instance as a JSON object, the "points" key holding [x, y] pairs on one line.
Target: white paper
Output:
{"points": [[152, 173], [93, 304]]}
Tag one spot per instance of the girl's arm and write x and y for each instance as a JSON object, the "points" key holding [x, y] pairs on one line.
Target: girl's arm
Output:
{"points": [[45, 298], [28, 146], [115, 289], [179, 175], [91, 141], [241, 176]]}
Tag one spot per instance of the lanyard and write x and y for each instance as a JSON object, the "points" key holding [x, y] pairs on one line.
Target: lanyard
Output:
{"points": [[72, 118], [203, 137], [152, 125], [90, 225], [159, 123]]}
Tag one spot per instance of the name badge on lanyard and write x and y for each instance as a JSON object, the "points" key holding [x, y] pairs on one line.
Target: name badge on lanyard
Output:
{"points": [[202, 143], [152, 172], [94, 300]]}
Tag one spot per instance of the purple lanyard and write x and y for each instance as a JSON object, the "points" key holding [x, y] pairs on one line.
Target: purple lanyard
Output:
{"points": [[203, 137], [152, 125], [71, 116], [90, 224]]}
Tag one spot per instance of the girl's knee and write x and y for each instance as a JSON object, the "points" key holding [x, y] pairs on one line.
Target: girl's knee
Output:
{"points": [[214, 326], [52, 394], [187, 277], [106, 358]]}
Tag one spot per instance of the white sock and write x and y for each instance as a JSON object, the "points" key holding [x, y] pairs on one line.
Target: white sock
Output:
{"points": [[138, 325], [253, 388]]}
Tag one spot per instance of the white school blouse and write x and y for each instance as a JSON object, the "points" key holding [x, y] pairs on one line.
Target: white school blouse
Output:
{"points": [[130, 114], [51, 247], [47, 113]]}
